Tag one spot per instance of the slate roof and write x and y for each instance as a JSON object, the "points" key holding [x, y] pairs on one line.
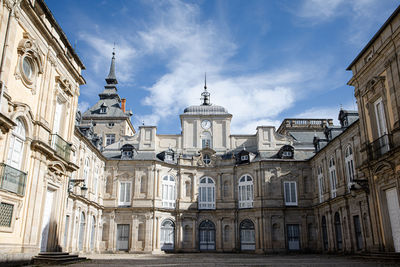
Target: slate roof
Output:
{"points": [[206, 110]]}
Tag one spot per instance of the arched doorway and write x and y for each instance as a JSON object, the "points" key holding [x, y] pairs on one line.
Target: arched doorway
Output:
{"points": [[167, 235], [247, 236], [207, 235], [338, 232], [324, 233], [82, 231]]}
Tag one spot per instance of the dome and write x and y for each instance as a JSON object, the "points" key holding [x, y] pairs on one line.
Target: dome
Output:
{"points": [[205, 110]]}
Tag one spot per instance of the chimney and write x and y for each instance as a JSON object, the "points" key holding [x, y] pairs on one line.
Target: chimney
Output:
{"points": [[123, 103]]}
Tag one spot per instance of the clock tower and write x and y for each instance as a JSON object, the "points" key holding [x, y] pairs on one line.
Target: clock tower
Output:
{"points": [[205, 126]]}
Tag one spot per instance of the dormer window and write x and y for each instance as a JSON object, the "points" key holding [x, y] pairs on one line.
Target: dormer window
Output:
{"points": [[103, 108], [244, 157], [286, 152], [168, 157], [127, 151]]}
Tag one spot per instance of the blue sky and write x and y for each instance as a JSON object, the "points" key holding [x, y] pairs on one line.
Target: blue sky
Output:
{"points": [[265, 60]]}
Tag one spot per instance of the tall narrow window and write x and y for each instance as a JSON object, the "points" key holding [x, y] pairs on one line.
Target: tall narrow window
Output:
{"points": [[86, 170], [380, 117], [57, 117], [338, 232], [188, 190], [92, 234], [82, 231], [245, 192], [324, 233], [349, 161], [168, 192], [16, 145], [290, 193], [206, 193], [321, 187], [143, 185], [95, 178], [332, 174], [124, 194], [358, 233]]}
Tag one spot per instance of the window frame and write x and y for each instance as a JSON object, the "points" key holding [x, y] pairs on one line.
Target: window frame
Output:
{"points": [[109, 138], [290, 202], [350, 170], [380, 117], [321, 185], [17, 135], [246, 190], [168, 197], [209, 194], [127, 201], [333, 177]]}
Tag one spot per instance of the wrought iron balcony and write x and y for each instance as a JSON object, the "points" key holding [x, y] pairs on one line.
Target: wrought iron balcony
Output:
{"points": [[62, 147], [380, 146], [12, 179]]}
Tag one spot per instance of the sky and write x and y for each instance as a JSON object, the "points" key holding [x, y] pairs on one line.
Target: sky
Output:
{"points": [[265, 60]]}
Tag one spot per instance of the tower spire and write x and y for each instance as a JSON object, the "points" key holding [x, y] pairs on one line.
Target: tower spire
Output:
{"points": [[112, 78], [205, 96]]}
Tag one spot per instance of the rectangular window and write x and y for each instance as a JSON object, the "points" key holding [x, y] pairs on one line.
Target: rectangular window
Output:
{"points": [[290, 193], [110, 139], [380, 117], [124, 193], [321, 188], [57, 117], [6, 213], [245, 157], [333, 182], [66, 232]]}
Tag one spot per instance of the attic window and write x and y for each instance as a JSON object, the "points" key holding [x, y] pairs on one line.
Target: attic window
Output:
{"points": [[168, 157], [110, 124], [287, 154], [244, 157], [103, 110], [206, 159]]}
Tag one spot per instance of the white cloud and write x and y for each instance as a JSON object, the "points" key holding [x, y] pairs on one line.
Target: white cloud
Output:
{"points": [[83, 106], [319, 10]]}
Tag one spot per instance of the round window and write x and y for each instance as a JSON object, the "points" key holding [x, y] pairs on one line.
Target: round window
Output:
{"points": [[27, 67]]}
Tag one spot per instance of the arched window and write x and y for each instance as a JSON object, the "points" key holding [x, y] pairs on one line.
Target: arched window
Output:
{"points": [[16, 145], [168, 191], [206, 193], [82, 231], [332, 173], [324, 233], [167, 235], [338, 232], [247, 235], [245, 192], [205, 140], [349, 161], [321, 187], [92, 234]]}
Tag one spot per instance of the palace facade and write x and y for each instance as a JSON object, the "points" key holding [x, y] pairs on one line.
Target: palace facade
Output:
{"points": [[91, 183]]}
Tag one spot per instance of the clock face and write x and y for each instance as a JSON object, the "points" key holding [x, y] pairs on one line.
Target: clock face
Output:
{"points": [[206, 124]]}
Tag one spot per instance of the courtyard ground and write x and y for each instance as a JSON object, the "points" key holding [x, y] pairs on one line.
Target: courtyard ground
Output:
{"points": [[226, 259]]}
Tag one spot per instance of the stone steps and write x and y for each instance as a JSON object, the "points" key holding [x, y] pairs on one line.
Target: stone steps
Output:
{"points": [[50, 258], [386, 256]]}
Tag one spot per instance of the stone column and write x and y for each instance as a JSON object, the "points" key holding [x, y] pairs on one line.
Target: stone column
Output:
{"points": [[133, 233]]}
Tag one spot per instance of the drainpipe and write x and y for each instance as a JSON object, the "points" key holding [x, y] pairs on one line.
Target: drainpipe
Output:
{"points": [[5, 45]]}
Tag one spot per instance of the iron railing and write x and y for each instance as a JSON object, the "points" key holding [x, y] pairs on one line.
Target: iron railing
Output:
{"points": [[380, 146], [12, 179], [62, 147]]}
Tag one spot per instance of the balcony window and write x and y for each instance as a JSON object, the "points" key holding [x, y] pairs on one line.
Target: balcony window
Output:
{"points": [[206, 193], [168, 192], [245, 190], [12, 179], [62, 147], [16, 147], [380, 117]]}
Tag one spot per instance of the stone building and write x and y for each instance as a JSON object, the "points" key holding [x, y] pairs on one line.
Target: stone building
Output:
{"points": [[90, 183], [40, 79], [376, 80]]}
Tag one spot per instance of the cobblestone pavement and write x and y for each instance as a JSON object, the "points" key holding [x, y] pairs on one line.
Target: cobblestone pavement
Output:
{"points": [[220, 260]]}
